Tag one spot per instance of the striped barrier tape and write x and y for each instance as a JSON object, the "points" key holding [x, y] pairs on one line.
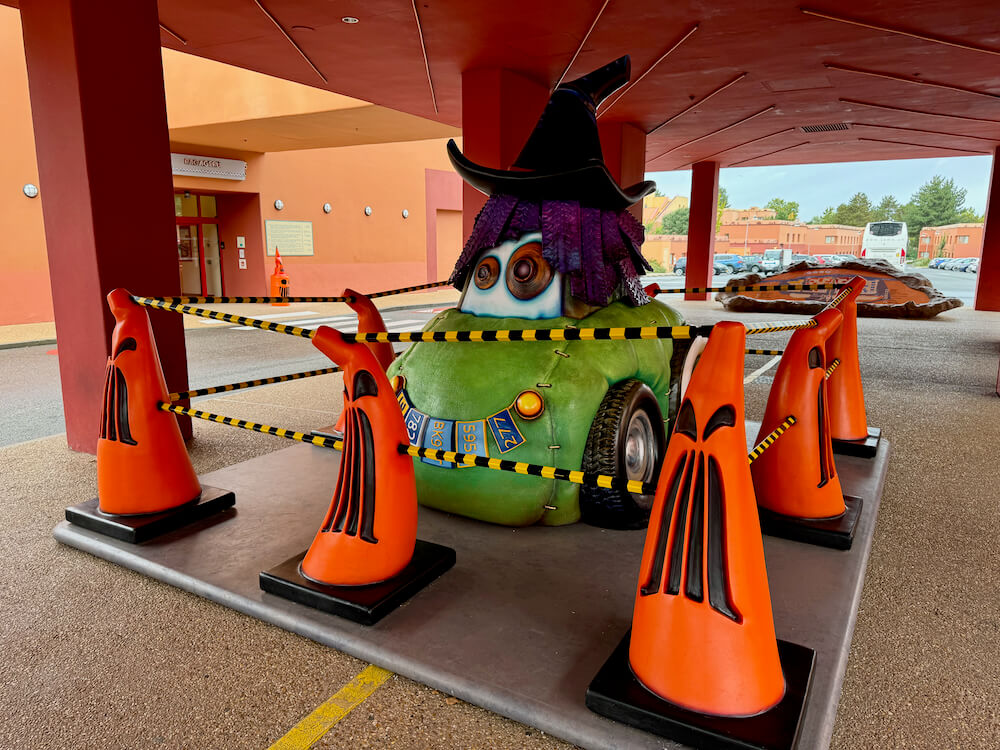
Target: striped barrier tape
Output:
{"points": [[768, 352], [751, 288], [838, 299], [228, 300], [590, 479], [773, 327], [829, 370], [301, 437], [201, 312], [767, 442], [250, 383], [537, 334]]}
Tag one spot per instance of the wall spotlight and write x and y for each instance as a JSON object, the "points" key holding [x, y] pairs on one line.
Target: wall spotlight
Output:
{"points": [[349, 19], [368, 210], [327, 208], [279, 204], [30, 190], [406, 214]]}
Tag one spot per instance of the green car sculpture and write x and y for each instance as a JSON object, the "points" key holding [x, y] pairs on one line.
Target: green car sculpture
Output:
{"points": [[554, 246]]}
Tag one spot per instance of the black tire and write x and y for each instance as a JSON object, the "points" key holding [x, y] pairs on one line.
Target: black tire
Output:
{"points": [[629, 407], [755, 269]]}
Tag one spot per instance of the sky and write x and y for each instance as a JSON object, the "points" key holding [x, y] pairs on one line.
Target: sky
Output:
{"points": [[816, 186]]}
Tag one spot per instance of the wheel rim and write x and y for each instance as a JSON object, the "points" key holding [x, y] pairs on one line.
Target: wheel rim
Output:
{"points": [[640, 452]]}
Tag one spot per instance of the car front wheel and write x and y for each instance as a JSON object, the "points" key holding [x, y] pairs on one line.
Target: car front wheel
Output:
{"points": [[626, 440]]}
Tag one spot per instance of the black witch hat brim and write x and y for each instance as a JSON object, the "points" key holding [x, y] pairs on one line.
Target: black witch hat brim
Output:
{"points": [[590, 183]]}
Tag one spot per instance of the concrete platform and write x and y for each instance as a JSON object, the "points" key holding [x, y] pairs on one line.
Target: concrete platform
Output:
{"points": [[526, 617]]}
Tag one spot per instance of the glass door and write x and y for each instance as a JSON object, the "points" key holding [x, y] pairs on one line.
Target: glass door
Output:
{"points": [[189, 259], [212, 265]]}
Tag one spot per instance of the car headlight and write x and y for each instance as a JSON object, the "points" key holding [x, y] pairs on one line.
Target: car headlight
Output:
{"points": [[529, 405]]}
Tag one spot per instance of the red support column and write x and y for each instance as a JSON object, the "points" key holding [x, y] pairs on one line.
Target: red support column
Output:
{"points": [[988, 281], [96, 83], [499, 110], [701, 226], [624, 148]]}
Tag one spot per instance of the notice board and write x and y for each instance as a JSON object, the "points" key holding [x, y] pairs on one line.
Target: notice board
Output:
{"points": [[290, 237]]}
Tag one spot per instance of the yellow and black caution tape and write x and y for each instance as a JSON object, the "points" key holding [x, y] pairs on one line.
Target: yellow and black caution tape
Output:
{"points": [[201, 312], [769, 352], [767, 442], [525, 334], [751, 288], [250, 383], [829, 370], [538, 334], [772, 327], [226, 300], [588, 478], [301, 437], [838, 299]]}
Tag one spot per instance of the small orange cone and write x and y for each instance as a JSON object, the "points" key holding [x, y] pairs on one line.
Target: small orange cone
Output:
{"points": [[279, 281], [796, 476], [142, 464], [848, 420], [370, 530], [702, 629], [370, 321]]}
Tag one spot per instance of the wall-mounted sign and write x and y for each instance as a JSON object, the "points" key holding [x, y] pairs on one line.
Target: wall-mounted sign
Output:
{"points": [[290, 237], [208, 166], [243, 264], [241, 241]]}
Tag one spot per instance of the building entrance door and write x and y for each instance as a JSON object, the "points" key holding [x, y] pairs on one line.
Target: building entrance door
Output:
{"points": [[198, 250]]}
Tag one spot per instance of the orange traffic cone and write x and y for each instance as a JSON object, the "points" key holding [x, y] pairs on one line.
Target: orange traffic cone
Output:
{"points": [[279, 281], [702, 664], [796, 476], [796, 481], [370, 530], [370, 321], [848, 420], [702, 630], [366, 559], [142, 464]]}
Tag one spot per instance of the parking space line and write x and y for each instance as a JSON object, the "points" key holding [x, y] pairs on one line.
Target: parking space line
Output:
{"points": [[311, 729]]}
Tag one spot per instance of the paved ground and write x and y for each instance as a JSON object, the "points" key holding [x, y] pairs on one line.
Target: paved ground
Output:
{"points": [[96, 656]]}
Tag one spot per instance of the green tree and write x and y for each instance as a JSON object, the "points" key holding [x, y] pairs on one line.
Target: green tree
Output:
{"points": [[938, 201], [723, 204], [783, 210], [887, 209], [676, 222], [968, 215], [829, 216], [857, 212]]}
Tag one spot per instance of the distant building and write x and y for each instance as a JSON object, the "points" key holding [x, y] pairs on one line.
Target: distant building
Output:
{"points": [[755, 230], [951, 241]]}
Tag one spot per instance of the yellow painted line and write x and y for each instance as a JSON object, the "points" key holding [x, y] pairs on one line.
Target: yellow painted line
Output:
{"points": [[311, 729]]}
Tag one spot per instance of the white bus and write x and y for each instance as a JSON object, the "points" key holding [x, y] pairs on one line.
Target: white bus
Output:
{"points": [[885, 240]]}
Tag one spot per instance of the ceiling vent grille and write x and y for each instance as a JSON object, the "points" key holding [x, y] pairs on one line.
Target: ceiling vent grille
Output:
{"points": [[825, 128]]}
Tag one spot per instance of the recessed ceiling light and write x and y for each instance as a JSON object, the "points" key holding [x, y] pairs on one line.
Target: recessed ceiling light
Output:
{"points": [[349, 19]]}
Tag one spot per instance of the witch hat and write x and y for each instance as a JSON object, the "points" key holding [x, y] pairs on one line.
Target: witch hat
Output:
{"points": [[562, 159]]}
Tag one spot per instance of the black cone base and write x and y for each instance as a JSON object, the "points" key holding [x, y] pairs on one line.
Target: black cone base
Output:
{"points": [[138, 529], [864, 448], [826, 532], [363, 604], [617, 694]]}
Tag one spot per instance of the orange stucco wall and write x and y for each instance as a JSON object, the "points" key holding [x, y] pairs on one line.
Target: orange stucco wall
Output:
{"points": [[367, 253], [26, 297], [951, 241]]}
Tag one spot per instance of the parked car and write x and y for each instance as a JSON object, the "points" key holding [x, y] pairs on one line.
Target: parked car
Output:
{"points": [[937, 262], [733, 262], [973, 267], [753, 263], [961, 264], [829, 260], [798, 257], [680, 267]]}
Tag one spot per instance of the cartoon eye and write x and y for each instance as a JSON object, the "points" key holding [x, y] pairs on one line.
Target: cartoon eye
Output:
{"points": [[528, 273], [487, 272]]}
